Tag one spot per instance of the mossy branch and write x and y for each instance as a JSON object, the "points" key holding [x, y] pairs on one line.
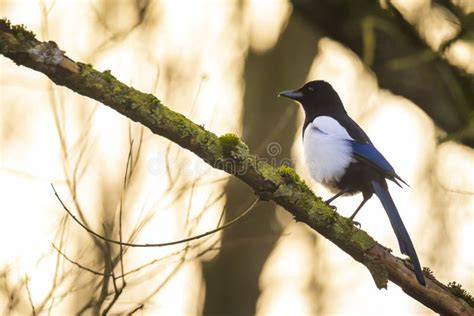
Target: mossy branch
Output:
{"points": [[228, 153]]}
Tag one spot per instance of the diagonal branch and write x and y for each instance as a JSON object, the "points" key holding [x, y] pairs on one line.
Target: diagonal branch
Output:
{"points": [[228, 153]]}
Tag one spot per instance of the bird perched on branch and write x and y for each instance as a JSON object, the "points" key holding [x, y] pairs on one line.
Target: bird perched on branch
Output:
{"points": [[340, 156]]}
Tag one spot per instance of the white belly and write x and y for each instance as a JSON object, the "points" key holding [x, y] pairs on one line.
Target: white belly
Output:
{"points": [[327, 153]]}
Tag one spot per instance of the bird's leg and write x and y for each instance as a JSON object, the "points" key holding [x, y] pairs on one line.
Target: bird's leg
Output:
{"points": [[335, 197], [366, 198], [358, 209]]}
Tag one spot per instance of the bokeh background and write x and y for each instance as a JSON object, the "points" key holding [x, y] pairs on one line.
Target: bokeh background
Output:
{"points": [[404, 70]]}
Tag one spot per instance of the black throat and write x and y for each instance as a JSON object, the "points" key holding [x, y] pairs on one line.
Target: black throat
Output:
{"points": [[334, 109]]}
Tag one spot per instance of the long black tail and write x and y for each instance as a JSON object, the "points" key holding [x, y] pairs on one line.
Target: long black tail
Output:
{"points": [[404, 241]]}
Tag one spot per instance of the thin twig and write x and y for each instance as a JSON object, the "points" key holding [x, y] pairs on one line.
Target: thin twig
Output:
{"points": [[76, 263], [136, 309], [30, 299], [90, 231]]}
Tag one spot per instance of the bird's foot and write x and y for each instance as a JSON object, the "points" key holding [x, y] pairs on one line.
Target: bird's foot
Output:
{"points": [[356, 224], [331, 206]]}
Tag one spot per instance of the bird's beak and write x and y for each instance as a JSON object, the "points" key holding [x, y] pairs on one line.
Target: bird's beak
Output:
{"points": [[292, 94]]}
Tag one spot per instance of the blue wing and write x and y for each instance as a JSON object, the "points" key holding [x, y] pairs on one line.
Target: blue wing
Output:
{"points": [[368, 154]]}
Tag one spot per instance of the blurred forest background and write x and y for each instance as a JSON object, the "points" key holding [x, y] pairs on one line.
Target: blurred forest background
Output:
{"points": [[404, 70]]}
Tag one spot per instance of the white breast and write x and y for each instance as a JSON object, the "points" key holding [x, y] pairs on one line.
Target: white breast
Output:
{"points": [[327, 154]]}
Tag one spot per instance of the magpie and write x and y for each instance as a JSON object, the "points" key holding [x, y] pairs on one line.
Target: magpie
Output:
{"points": [[340, 156]]}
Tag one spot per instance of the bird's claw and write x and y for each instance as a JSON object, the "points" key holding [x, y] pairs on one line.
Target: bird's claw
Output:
{"points": [[334, 208], [357, 224]]}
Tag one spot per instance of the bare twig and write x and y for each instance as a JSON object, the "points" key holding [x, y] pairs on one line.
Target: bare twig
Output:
{"points": [[90, 231], [33, 310], [76, 263]]}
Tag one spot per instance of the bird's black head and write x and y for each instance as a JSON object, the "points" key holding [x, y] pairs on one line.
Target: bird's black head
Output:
{"points": [[317, 98]]}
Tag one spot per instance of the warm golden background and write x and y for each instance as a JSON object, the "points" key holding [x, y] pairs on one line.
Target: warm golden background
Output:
{"points": [[221, 63]]}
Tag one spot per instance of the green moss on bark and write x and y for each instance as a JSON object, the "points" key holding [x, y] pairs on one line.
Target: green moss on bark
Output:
{"points": [[19, 30], [229, 142], [379, 273], [460, 292]]}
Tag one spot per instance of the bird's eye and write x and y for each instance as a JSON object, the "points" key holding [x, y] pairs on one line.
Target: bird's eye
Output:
{"points": [[310, 89]]}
